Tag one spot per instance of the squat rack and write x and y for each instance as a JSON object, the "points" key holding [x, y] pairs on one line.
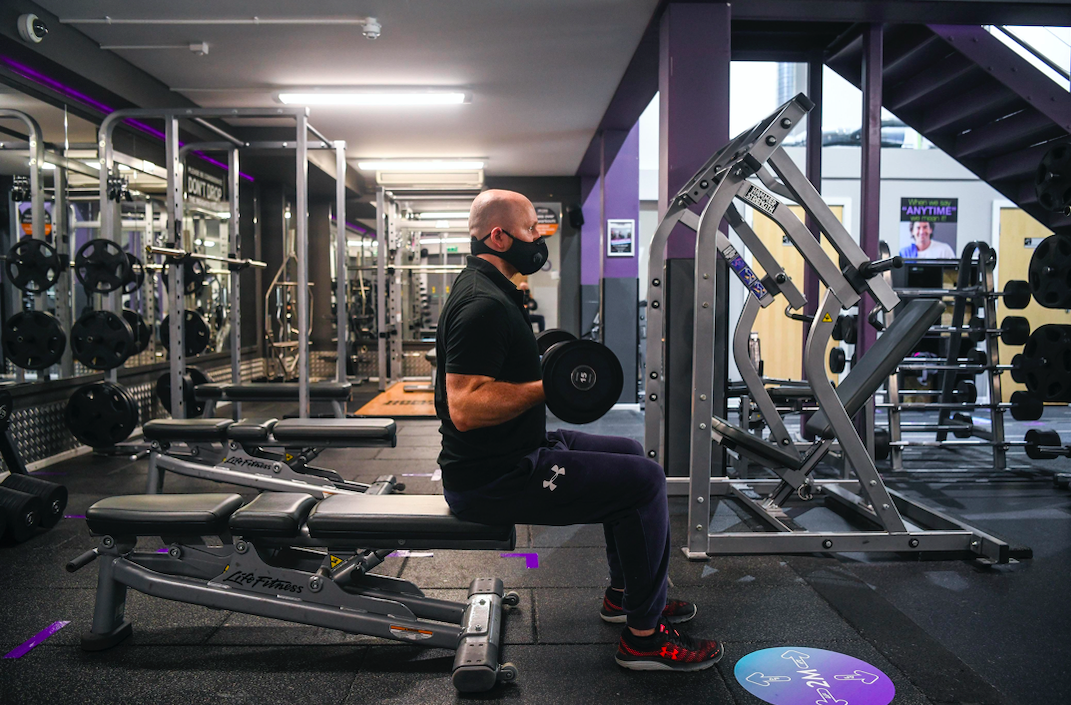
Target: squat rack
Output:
{"points": [[175, 212]]}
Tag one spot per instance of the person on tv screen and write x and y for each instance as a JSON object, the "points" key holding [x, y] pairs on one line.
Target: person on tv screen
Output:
{"points": [[923, 246]]}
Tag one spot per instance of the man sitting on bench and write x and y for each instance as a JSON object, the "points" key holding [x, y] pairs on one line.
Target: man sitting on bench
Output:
{"points": [[500, 466]]}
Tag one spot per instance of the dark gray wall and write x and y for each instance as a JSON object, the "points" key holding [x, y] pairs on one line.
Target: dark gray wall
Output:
{"points": [[679, 312], [589, 306], [320, 274], [621, 331]]}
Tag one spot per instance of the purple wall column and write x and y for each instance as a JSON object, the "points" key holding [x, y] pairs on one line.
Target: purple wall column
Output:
{"points": [[871, 169], [693, 93]]}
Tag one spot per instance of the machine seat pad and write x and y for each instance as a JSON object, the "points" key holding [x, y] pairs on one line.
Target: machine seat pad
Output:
{"points": [[273, 515], [212, 430], [287, 391], [397, 521], [248, 430], [163, 514], [866, 376], [741, 441], [431, 356], [209, 390], [310, 432]]}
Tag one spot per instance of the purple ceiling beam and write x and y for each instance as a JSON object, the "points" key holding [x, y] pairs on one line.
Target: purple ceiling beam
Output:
{"points": [[693, 89]]}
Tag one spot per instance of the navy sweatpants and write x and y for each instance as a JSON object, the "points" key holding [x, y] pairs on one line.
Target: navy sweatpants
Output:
{"points": [[580, 478]]}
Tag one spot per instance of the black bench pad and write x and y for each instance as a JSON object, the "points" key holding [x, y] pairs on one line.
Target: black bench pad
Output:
{"points": [[187, 429], [248, 430], [401, 521], [286, 391], [313, 431], [163, 514], [741, 441], [273, 515]]}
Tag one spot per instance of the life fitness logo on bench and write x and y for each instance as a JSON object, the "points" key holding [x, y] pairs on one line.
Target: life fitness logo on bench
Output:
{"points": [[248, 463], [262, 582]]}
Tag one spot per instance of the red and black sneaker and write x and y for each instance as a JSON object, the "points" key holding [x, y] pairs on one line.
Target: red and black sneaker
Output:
{"points": [[676, 611], [666, 650]]}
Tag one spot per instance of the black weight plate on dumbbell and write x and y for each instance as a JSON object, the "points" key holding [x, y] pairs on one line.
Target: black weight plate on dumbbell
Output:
{"points": [[1050, 272], [881, 444], [837, 360], [965, 424], [195, 333], [977, 332], [974, 356], [1036, 438], [194, 273], [136, 276], [1017, 294], [33, 340], [1026, 407], [1018, 374], [1014, 330], [1052, 179], [102, 266], [101, 340], [33, 265], [582, 380], [965, 392], [53, 496], [102, 414], [22, 511], [142, 330], [551, 336]]}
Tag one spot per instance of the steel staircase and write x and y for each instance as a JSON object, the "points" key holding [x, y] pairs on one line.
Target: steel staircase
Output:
{"points": [[973, 97]]}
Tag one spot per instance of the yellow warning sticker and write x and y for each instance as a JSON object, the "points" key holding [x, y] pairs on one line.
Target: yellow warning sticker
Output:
{"points": [[289, 457], [335, 560], [827, 319]]}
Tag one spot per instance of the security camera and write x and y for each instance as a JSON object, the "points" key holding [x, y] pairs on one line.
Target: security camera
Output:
{"points": [[32, 29], [371, 28]]}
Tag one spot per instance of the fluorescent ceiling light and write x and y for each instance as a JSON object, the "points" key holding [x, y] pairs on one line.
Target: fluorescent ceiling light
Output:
{"points": [[370, 99], [421, 165], [445, 240], [443, 215]]}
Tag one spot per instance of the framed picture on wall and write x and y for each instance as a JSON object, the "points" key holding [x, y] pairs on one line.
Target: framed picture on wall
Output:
{"points": [[621, 238]]}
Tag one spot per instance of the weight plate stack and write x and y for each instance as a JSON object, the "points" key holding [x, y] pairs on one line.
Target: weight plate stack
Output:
{"points": [[136, 276], [193, 377], [33, 340], [195, 333], [101, 340], [194, 273], [1046, 363], [102, 414], [142, 330], [582, 380], [33, 265], [552, 336], [22, 511], [102, 266], [1050, 272], [53, 496]]}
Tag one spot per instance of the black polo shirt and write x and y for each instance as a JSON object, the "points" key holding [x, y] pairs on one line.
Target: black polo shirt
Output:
{"points": [[484, 330]]}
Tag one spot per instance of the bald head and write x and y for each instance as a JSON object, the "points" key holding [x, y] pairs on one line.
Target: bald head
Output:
{"points": [[497, 208]]}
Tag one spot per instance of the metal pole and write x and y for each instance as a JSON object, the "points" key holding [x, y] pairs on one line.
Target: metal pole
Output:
{"points": [[342, 261], [176, 308], [814, 175], [61, 240], [302, 215], [870, 200], [235, 278], [381, 286], [602, 231]]}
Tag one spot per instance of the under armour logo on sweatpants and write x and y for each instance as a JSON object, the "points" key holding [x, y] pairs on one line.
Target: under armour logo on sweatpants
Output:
{"points": [[549, 484]]}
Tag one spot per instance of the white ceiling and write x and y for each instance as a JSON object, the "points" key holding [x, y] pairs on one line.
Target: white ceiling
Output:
{"points": [[541, 72]]}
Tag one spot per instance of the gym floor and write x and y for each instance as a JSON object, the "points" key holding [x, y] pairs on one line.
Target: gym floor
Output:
{"points": [[945, 631]]}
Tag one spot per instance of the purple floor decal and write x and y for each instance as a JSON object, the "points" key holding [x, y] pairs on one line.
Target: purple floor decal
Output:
{"points": [[74, 516], [37, 640], [531, 560], [800, 675]]}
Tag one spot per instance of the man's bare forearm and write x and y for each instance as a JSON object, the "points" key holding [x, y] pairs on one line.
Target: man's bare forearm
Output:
{"points": [[495, 402]]}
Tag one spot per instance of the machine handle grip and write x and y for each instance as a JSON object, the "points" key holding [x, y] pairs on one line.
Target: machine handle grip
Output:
{"points": [[83, 560], [872, 269]]}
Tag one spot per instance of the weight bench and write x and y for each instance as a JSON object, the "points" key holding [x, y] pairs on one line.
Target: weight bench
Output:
{"points": [[337, 393], [268, 454], [288, 556], [431, 357]]}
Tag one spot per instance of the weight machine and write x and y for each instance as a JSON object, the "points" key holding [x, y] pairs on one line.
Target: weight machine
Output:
{"points": [[896, 523]]}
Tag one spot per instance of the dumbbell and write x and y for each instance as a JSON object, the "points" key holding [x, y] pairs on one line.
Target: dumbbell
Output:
{"points": [[53, 496], [1026, 407], [582, 380], [551, 336], [1045, 445], [1014, 330], [965, 392], [837, 360], [22, 511], [1016, 294], [845, 329]]}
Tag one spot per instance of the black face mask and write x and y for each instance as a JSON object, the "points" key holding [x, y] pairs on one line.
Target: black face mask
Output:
{"points": [[526, 257]]}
